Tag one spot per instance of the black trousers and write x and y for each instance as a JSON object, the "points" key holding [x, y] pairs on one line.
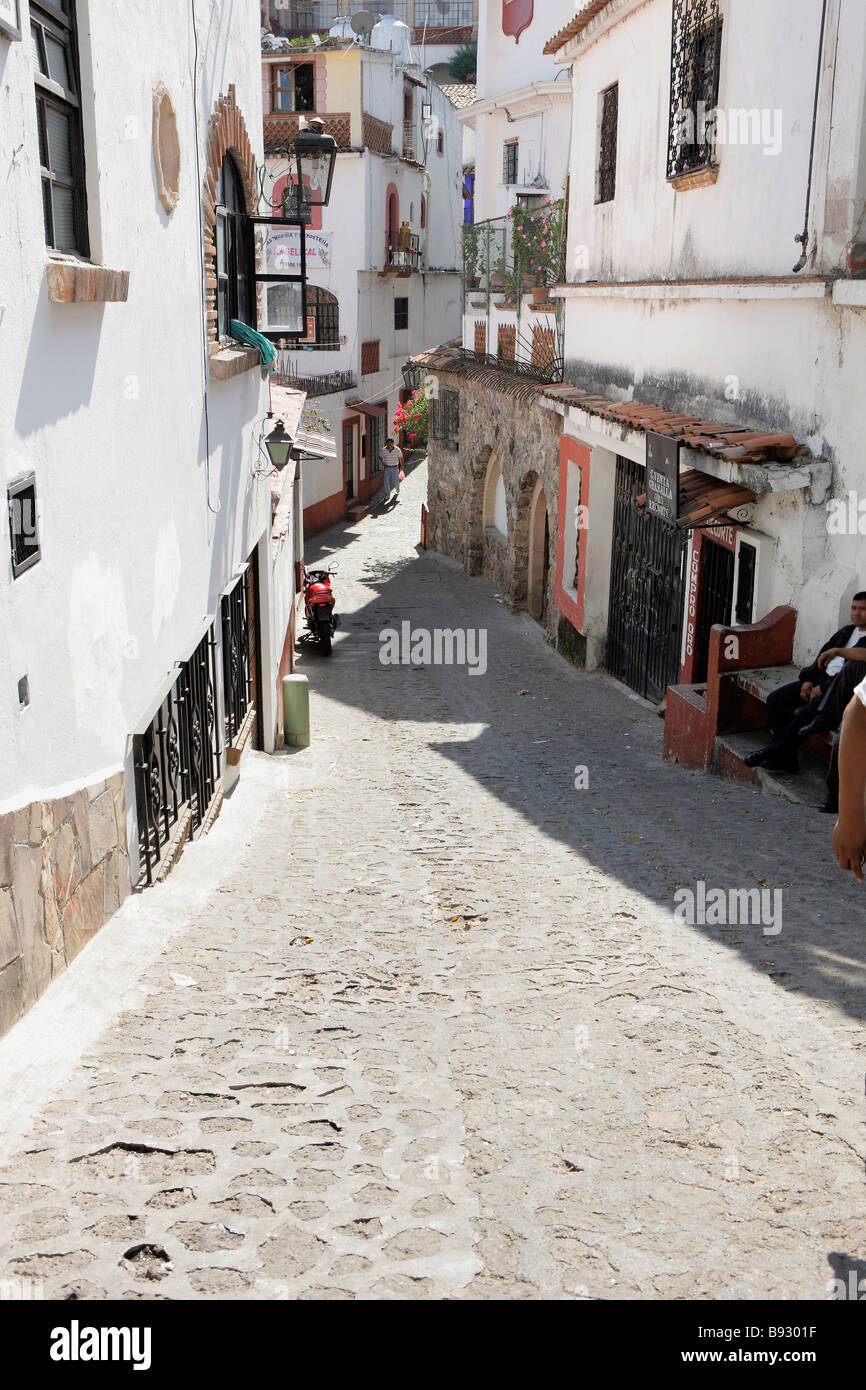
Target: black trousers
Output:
{"points": [[788, 714]]}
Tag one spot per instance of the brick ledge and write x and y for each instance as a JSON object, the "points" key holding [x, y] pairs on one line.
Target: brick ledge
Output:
{"points": [[233, 361], [233, 753], [695, 178], [78, 282]]}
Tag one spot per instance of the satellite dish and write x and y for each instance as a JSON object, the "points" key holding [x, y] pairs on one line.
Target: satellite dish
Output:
{"points": [[363, 22]]}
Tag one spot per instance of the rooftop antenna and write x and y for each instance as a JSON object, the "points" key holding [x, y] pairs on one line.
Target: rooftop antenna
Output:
{"points": [[363, 23]]}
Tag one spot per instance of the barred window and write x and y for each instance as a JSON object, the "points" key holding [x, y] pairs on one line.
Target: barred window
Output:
{"points": [[58, 119], [606, 178], [23, 530], [445, 417], [696, 49], [509, 161], [323, 320]]}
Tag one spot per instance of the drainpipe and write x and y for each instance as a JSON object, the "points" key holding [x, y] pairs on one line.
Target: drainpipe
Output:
{"points": [[803, 237]]}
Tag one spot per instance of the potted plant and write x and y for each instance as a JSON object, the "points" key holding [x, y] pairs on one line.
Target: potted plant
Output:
{"points": [[538, 237], [498, 274]]}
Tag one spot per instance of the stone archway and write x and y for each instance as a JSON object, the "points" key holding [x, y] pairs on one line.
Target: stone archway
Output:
{"points": [[538, 558]]}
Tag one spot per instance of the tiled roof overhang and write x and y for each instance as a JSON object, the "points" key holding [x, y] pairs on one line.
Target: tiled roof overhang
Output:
{"points": [[729, 443], [704, 499], [576, 26]]}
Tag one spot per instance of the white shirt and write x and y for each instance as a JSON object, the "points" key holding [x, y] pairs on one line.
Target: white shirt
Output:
{"points": [[860, 692], [835, 666], [395, 458]]}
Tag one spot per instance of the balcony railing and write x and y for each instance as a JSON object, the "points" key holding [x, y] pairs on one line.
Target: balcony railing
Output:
{"points": [[409, 141], [444, 14], [297, 18], [515, 254], [406, 257], [322, 385]]}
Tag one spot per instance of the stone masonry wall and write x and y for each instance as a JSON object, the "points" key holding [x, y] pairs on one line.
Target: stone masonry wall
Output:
{"points": [[500, 416], [64, 870]]}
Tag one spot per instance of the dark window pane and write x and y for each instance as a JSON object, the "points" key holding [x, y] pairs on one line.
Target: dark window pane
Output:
{"points": [[43, 139], [36, 48], [64, 219], [305, 87], [59, 142], [46, 211], [58, 67]]}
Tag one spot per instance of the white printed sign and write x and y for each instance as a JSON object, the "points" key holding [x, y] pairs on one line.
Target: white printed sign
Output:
{"points": [[284, 249]]}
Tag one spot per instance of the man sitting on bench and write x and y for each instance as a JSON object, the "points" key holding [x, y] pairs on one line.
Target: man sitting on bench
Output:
{"points": [[816, 702]]}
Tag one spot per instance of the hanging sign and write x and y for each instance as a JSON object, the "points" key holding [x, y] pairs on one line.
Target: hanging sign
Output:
{"points": [[516, 16], [663, 476], [10, 19], [284, 248]]}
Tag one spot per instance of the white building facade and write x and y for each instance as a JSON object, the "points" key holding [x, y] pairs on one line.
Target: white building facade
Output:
{"points": [[383, 258], [146, 603], [714, 295]]}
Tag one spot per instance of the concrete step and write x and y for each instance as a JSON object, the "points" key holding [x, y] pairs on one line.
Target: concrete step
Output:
{"points": [[809, 789]]}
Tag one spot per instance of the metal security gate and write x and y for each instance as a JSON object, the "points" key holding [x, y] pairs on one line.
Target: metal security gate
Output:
{"points": [[176, 755], [717, 595], [238, 653], [646, 590]]}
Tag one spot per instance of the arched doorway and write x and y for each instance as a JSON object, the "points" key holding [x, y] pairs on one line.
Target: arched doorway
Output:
{"points": [[539, 555]]}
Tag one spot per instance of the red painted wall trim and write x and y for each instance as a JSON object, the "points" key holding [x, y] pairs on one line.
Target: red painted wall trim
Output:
{"points": [[324, 514], [571, 451], [726, 536]]}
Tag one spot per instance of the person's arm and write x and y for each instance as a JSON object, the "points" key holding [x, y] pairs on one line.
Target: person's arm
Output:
{"points": [[849, 837], [849, 654]]}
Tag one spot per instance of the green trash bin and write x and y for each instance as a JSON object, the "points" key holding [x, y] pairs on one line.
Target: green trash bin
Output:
{"points": [[296, 711]]}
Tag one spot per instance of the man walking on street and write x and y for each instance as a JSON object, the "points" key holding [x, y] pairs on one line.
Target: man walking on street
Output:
{"points": [[849, 837], [391, 459]]}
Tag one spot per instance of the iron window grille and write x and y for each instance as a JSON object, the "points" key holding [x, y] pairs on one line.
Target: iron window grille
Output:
{"points": [[58, 120], [445, 417], [510, 153], [23, 528], [375, 442], [606, 190], [233, 252], [176, 756], [324, 310], [238, 655], [401, 313], [696, 49]]}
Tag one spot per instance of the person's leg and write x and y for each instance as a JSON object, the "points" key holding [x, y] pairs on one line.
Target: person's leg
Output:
{"points": [[831, 801], [782, 752], [782, 705], [838, 694]]}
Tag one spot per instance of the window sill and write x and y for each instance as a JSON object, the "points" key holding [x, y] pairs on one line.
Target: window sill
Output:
{"points": [[227, 362], [78, 282], [695, 178]]}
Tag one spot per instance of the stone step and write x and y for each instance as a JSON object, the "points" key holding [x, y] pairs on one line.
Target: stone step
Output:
{"points": [[807, 789]]}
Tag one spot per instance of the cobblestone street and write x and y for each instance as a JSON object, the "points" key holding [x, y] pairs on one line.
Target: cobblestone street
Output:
{"points": [[416, 1019]]}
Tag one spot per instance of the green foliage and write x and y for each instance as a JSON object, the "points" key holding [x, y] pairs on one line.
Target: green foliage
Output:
{"points": [[463, 65], [413, 416], [471, 251], [538, 239]]}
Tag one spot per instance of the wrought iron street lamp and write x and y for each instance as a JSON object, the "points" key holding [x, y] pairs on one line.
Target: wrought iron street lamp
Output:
{"points": [[278, 445], [314, 155]]}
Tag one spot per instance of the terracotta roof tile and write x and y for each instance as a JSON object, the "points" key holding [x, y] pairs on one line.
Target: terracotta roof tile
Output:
{"points": [[731, 442], [461, 94], [576, 26], [443, 34]]}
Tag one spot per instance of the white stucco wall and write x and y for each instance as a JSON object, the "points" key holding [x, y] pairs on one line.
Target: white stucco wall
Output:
{"points": [[106, 403]]}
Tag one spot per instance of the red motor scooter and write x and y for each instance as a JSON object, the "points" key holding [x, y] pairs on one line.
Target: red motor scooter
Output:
{"points": [[319, 601]]}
